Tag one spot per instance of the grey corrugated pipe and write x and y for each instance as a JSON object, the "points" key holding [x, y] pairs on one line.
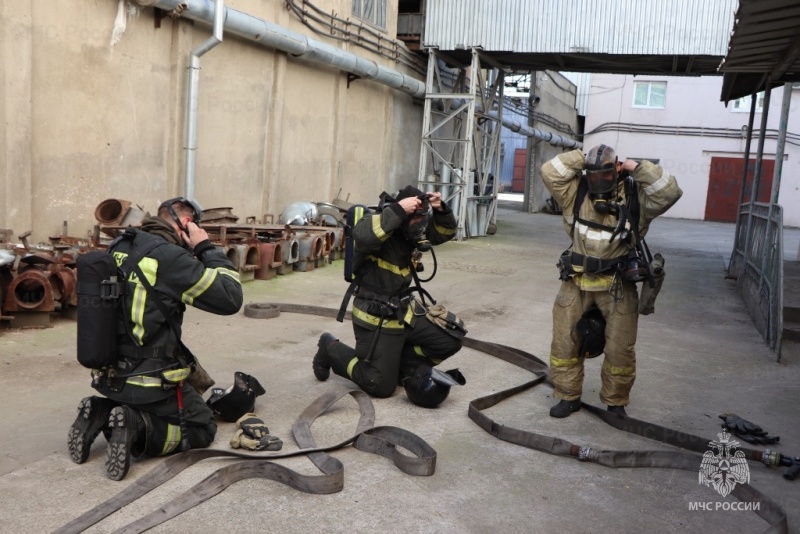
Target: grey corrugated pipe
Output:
{"points": [[296, 44], [193, 71], [553, 139], [514, 126]]}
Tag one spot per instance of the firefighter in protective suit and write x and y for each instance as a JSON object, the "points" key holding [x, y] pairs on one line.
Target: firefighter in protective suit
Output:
{"points": [[139, 410], [396, 343], [604, 213]]}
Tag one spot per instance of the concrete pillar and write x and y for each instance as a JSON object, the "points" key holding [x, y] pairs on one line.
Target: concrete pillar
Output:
{"points": [[16, 43]]}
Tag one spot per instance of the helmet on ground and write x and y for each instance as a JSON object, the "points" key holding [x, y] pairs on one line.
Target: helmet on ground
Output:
{"points": [[240, 398], [429, 387], [591, 330]]}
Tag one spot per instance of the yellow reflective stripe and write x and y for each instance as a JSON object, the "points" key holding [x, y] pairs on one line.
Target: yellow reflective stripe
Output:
{"points": [[409, 315], [149, 267], [418, 350], [592, 234], [658, 185], [564, 362], [350, 366], [618, 371], [377, 229], [176, 375], [172, 439], [444, 231], [391, 267], [594, 282], [144, 381], [209, 275], [560, 168], [374, 320], [228, 272], [137, 312]]}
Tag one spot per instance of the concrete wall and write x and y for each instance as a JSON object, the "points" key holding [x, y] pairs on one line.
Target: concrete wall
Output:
{"points": [[558, 98], [691, 102], [83, 121]]}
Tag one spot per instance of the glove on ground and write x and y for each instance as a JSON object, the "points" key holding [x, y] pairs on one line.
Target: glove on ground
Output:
{"points": [[749, 432]]}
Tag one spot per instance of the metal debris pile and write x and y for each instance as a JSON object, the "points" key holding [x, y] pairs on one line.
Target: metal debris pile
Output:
{"points": [[38, 280]]}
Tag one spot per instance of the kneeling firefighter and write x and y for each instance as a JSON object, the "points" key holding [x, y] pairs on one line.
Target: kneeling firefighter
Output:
{"points": [[150, 405], [607, 206], [399, 339]]}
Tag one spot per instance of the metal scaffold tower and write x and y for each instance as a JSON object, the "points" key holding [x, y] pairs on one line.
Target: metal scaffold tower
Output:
{"points": [[460, 155]]}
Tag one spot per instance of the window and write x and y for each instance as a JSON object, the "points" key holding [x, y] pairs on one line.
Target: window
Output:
{"points": [[650, 95], [743, 104], [372, 11]]}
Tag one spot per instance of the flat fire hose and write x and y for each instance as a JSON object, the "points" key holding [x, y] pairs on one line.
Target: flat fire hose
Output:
{"points": [[383, 441]]}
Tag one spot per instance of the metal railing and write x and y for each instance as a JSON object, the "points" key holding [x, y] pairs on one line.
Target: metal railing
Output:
{"points": [[757, 265]]}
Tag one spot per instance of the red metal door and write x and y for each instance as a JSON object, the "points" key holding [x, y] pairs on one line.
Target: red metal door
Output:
{"points": [[518, 178], [724, 181]]}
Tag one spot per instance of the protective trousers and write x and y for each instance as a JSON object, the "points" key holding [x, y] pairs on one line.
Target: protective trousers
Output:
{"points": [[395, 356], [163, 431], [619, 365]]}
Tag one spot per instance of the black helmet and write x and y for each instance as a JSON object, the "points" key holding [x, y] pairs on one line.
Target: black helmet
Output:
{"points": [[232, 403], [591, 330], [429, 387]]}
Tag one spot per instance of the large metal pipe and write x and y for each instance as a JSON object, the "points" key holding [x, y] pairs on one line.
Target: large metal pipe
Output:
{"points": [[190, 151], [553, 139], [305, 48], [302, 47], [514, 126]]}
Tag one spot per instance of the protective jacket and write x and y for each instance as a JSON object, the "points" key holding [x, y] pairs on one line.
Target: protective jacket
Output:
{"points": [[657, 191], [383, 261], [151, 357]]}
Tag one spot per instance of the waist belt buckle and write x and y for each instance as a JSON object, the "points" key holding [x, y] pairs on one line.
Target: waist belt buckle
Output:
{"points": [[591, 264]]}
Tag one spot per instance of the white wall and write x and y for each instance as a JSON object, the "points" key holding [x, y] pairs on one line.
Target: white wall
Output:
{"points": [[690, 102]]}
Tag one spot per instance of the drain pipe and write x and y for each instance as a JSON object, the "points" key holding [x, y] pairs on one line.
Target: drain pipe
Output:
{"points": [[193, 70]]}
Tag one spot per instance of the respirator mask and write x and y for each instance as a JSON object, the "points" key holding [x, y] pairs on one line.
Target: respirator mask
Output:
{"points": [[414, 229], [601, 178], [602, 184]]}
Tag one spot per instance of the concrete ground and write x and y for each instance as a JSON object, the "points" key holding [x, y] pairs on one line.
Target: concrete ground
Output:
{"points": [[699, 356]]}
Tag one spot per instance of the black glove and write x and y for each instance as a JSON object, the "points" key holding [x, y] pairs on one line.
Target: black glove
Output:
{"points": [[749, 432]]}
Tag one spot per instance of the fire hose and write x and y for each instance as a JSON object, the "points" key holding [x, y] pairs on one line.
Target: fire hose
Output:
{"points": [[384, 441]]}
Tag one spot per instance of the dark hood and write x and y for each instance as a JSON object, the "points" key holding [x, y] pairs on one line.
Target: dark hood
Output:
{"points": [[160, 227]]}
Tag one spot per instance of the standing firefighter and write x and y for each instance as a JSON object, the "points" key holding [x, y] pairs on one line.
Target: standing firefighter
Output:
{"points": [[147, 408], [607, 208], [397, 342]]}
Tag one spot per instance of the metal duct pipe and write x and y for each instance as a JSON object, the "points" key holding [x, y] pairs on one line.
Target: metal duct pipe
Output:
{"points": [[190, 161], [514, 126], [274, 36], [553, 139]]}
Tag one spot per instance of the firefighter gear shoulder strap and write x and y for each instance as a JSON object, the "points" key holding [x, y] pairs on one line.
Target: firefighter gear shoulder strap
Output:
{"points": [[632, 204]]}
